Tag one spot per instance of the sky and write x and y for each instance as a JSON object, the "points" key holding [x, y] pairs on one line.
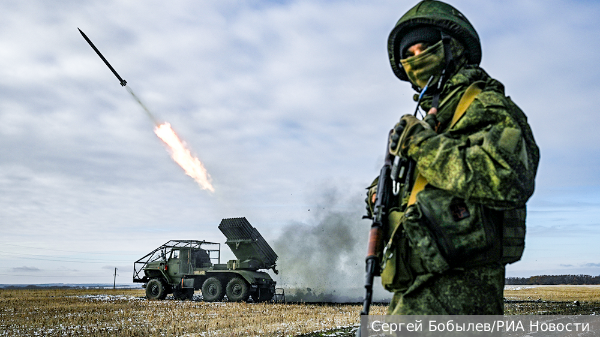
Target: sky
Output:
{"points": [[286, 103]]}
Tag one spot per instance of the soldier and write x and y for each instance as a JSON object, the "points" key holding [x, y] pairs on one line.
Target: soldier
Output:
{"points": [[461, 215]]}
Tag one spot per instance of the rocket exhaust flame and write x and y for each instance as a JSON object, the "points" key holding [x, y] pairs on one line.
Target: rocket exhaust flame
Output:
{"points": [[179, 152], [191, 165], [182, 156]]}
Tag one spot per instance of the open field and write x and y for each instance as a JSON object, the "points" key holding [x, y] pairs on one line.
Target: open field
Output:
{"points": [[125, 312], [552, 300], [101, 312]]}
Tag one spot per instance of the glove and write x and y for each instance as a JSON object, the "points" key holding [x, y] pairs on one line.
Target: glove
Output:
{"points": [[395, 137], [370, 199], [405, 130], [431, 119]]}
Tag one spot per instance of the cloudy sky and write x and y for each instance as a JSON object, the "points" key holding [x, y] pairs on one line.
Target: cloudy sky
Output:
{"points": [[287, 103]]}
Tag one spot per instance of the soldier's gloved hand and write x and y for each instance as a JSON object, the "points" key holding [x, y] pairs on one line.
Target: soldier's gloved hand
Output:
{"points": [[412, 127], [369, 209], [431, 119], [370, 199], [395, 137]]}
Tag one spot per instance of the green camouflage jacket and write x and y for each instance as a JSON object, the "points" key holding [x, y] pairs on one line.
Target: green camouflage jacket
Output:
{"points": [[489, 156]]}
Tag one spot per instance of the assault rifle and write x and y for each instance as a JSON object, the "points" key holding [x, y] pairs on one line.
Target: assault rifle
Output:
{"points": [[387, 190], [395, 174], [383, 199], [376, 234]]}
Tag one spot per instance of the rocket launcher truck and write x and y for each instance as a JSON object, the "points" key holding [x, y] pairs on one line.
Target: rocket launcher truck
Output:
{"points": [[182, 266]]}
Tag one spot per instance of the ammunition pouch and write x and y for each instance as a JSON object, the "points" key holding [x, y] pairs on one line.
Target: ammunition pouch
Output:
{"points": [[466, 234], [513, 234], [396, 275], [440, 232]]}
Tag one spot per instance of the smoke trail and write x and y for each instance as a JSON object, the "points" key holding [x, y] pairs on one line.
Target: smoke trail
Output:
{"points": [[324, 260], [150, 115]]}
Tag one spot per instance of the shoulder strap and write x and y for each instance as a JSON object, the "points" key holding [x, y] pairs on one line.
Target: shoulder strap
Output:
{"points": [[467, 98]]}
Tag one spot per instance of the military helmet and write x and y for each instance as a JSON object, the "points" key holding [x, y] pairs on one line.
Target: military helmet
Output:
{"points": [[439, 15]]}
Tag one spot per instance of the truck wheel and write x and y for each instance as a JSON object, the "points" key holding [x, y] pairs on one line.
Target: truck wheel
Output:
{"points": [[155, 290], [212, 290], [237, 290]]}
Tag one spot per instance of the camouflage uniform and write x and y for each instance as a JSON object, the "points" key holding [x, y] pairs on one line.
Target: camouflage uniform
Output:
{"points": [[485, 164]]}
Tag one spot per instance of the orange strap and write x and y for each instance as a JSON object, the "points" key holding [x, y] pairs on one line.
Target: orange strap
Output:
{"points": [[468, 97]]}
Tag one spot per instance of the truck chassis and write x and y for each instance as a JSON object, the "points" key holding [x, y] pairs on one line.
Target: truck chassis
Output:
{"points": [[180, 267]]}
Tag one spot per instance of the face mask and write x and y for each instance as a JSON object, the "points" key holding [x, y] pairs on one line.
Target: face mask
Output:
{"points": [[420, 68]]}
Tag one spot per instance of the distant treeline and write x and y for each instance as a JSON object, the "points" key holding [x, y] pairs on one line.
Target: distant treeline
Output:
{"points": [[554, 280]]}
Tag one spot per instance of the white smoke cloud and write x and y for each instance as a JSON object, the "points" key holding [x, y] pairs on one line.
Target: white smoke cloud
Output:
{"points": [[322, 259]]}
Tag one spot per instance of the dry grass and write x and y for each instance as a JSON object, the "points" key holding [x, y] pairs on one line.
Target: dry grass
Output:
{"points": [[89, 312], [102, 312]]}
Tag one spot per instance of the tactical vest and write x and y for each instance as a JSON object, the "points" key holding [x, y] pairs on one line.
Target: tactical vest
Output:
{"points": [[428, 236]]}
